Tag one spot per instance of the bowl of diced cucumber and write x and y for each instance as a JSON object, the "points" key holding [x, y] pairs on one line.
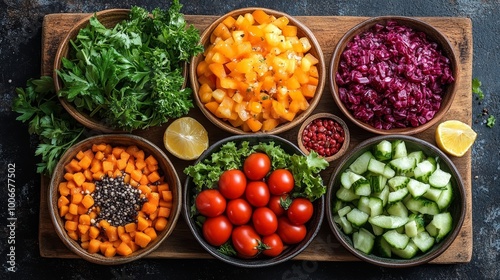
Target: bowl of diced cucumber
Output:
{"points": [[396, 201]]}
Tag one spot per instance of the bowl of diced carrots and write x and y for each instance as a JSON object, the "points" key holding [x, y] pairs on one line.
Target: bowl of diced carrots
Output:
{"points": [[114, 198], [262, 71]]}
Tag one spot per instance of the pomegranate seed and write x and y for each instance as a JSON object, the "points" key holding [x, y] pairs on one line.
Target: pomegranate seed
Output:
{"points": [[325, 136]]}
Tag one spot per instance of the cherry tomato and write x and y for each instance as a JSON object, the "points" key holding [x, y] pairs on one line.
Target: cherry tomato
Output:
{"points": [[280, 181], [239, 211], [290, 233], [256, 166], [300, 211], [264, 221], [217, 230], [274, 244], [232, 183], [246, 241], [257, 193], [276, 204], [210, 203]]}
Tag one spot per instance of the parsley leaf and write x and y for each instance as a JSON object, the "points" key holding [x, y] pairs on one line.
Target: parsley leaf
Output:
{"points": [[130, 76], [38, 105], [490, 122], [476, 88]]}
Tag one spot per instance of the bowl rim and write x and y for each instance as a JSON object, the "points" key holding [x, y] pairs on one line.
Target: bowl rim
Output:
{"points": [[284, 126], [447, 48], [393, 262], [73, 245], [255, 262], [84, 118], [347, 135]]}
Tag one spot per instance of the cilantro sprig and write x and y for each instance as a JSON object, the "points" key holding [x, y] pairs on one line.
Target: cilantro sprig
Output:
{"points": [[37, 105], [130, 76], [305, 169]]}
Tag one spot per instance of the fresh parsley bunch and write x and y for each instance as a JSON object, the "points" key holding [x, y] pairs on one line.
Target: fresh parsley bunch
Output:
{"points": [[38, 105], [130, 76]]}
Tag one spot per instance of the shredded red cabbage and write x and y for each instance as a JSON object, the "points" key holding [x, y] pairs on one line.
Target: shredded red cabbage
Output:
{"points": [[393, 77]]}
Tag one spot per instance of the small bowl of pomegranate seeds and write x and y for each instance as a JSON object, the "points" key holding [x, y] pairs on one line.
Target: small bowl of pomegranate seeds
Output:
{"points": [[324, 133], [394, 75]]}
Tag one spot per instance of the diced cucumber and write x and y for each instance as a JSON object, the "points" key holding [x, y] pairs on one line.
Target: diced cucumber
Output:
{"points": [[376, 166], [398, 182], [399, 149], [362, 187], [417, 188], [357, 217], [388, 222], [377, 182], [383, 195], [363, 204], [398, 209], [377, 230], [360, 165], [382, 248], [445, 198], [403, 165], [408, 252], [376, 206], [418, 155], [344, 210], [345, 224], [433, 194], [363, 240], [415, 225], [395, 239], [440, 225], [397, 195], [422, 205], [424, 170], [439, 178], [388, 171], [339, 204], [383, 150], [346, 195], [347, 178], [423, 241]]}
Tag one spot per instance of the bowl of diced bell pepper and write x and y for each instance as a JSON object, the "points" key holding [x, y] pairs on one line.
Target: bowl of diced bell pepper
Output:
{"points": [[262, 71]]}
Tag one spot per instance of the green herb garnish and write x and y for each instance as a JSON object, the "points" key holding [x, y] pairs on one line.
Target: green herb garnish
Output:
{"points": [[476, 88], [490, 122], [57, 130], [130, 76]]}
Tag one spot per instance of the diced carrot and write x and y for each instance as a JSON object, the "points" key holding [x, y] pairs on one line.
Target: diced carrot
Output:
{"points": [[151, 160], [85, 244], [69, 216], [130, 227], [63, 210], [142, 223], [88, 187], [94, 246], [153, 177], [88, 201], [111, 233], [160, 223], [76, 198], [163, 187], [79, 155], [117, 151], [104, 245], [83, 228], [99, 155], [73, 235], [139, 154], [167, 204], [142, 239], [104, 224], [98, 147], [107, 166], [73, 209], [62, 200], [110, 252], [166, 195], [125, 237], [73, 166], [151, 232], [148, 208], [85, 162], [136, 175], [163, 212], [108, 149], [98, 175], [85, 236], [68, 176], [70, 185], [93, 232], [81, 209], [63, 189], [140, 164], [144, 180], [84, 220], [70, 225], [79, 178], [121, 164], [88, 175]]}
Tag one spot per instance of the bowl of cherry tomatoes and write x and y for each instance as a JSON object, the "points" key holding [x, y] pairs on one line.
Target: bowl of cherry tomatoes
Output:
{"points": [[249, 200]]}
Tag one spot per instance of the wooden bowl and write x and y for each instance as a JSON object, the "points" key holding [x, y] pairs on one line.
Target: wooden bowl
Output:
{"points": [[108, 18], [457, 208], [432, 34], [166, 169], [344, 134], [313, 225], [302, 31]]}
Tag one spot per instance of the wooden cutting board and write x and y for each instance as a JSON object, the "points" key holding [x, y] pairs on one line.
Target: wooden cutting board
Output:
{"points": [[328, 30]]}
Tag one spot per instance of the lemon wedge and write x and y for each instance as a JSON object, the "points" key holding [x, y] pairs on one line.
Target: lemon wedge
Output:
{"points": [[455, 137], [186, 138]]}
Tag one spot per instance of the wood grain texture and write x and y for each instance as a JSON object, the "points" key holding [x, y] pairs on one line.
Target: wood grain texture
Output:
{"points": [[328, 30]]}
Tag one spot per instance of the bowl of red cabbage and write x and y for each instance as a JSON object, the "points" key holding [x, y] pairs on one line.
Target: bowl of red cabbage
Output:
{"points": [[396, 201], [394, 75]]}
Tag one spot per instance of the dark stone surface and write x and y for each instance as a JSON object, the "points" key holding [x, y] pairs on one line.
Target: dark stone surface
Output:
{"points": [[20, 39]]}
